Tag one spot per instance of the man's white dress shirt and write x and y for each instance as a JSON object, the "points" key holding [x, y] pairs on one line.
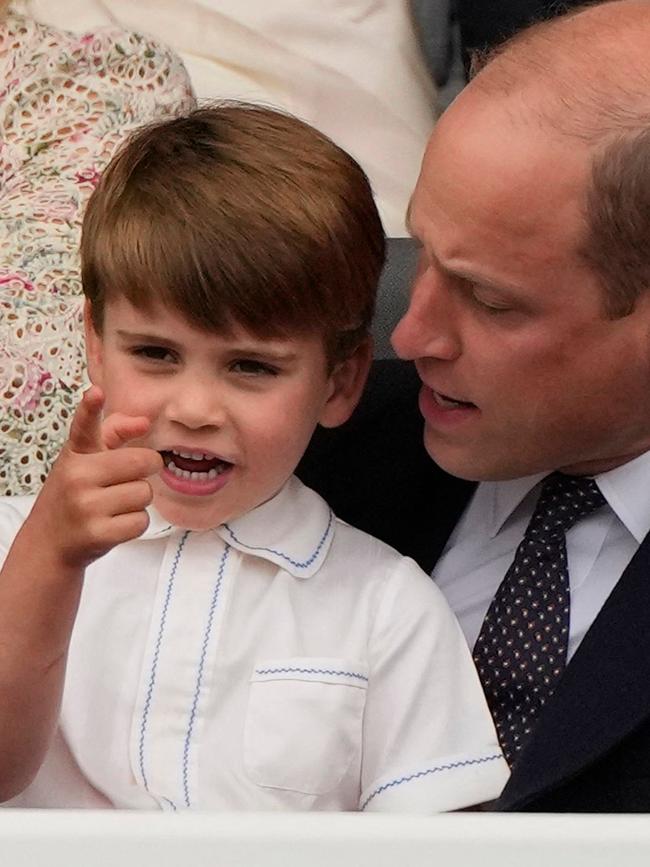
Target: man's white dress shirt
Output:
{"points": [[282, 661], [599, 546]]}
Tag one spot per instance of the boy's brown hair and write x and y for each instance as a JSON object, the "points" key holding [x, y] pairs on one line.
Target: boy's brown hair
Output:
{"points": [[237, 214]]}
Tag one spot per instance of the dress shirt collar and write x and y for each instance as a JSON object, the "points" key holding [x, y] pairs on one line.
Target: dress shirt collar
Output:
{"points": [[504, 497], [293, 530], [625, 488]]}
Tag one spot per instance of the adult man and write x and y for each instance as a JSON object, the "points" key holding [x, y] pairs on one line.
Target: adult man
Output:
{"points": [[529, 325]]}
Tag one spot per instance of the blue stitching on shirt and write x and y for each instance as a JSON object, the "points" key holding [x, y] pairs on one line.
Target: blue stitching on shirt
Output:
{"points": [[449, 767], [154, 664], [310, 671], [286, 557], [199, 677]]}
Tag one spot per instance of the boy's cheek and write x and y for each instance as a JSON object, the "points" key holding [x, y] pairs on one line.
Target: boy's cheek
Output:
{"points": [[124, 394]]}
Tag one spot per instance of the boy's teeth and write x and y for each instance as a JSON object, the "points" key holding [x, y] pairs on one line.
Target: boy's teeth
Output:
{"points": [[194, 456], [195, 477]]}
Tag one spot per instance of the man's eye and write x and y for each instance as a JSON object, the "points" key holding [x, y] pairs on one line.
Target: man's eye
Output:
{"points": [[250, 367], [154, 353], [490, 305]]}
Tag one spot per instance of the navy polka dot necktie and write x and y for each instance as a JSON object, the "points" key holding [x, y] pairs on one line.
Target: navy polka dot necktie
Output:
{"points": [[521, 649]]}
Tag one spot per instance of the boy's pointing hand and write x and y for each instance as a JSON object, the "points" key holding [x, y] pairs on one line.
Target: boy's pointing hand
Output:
{"points": [[97, 492], [89, 433]]}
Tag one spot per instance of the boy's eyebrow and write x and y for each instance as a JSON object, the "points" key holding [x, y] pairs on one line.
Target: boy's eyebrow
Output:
{"points": [[147, 338], [267, 352], [251, 350]]}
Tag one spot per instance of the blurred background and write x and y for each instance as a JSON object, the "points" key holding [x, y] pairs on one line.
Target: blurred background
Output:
{"points": [[372, 74]]}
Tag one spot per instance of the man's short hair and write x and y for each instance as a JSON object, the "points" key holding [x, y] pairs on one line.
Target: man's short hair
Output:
{"points": [[596, 91], [237, 214]]}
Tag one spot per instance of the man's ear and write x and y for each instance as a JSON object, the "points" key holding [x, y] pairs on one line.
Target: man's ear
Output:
{"points": [[346, 384], [94, 347]]}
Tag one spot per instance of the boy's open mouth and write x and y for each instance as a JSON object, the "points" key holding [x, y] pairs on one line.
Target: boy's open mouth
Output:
{"points": [[196, 466]]}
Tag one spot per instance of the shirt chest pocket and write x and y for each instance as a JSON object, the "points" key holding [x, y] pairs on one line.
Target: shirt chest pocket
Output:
{"points": [[304, 722]]}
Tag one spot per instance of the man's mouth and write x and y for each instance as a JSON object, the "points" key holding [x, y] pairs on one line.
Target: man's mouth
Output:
{"points": [[195, 466], [447, 402]]}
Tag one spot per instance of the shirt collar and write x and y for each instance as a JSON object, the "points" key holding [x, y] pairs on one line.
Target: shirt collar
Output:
{"points": [[625, 488], [504, 497], [293, 530]]}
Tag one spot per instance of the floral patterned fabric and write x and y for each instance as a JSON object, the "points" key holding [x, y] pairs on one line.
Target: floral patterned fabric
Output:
{"points": [[66, 103]]}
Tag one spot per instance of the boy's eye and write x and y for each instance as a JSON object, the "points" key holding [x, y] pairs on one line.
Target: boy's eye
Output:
{"points": [[251, 367], [154, 353]]}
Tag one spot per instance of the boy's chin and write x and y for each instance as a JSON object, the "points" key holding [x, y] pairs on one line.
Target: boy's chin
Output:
{"points": [[204, 513], [188, 517]]}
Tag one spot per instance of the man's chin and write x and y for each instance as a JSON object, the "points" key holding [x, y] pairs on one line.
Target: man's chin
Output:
{"points": [[466, 464]]}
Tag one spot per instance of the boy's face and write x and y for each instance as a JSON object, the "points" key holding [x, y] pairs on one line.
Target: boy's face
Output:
{"points": [[230, 414]]}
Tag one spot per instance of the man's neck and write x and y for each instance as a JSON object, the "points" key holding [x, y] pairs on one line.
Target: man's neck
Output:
{"points": [[604, 465]]}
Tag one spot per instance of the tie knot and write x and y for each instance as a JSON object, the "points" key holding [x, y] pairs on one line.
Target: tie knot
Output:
{"points": [[563, 501]]}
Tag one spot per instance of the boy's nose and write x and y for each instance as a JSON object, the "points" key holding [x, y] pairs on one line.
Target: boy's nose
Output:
{"points": [[427, 329], [195, 405]]}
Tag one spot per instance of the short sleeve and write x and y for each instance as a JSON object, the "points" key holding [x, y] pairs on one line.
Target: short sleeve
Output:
{"points": [[429, 740], [13, 511]]}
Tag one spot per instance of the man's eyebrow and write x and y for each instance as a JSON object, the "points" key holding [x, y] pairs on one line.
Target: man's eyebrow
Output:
{"points": [[458, 273], [479, 279]]}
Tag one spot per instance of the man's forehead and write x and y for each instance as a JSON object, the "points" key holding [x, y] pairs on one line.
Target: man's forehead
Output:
{"points": [[498, 193], [503, 136]]}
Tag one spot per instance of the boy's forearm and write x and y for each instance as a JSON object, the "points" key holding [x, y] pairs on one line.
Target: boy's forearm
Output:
{"points": [[39, 597], [94, 498]]}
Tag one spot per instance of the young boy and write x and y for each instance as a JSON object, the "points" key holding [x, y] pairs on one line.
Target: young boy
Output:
{"points": [[234, 645]]}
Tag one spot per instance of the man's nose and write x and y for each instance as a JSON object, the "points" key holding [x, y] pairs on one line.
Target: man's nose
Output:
{"points": [[428, 328], [196, 403]]}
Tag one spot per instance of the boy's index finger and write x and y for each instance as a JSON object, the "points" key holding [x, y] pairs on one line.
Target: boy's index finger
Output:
{"points": [[119, 429], [86, 428]]}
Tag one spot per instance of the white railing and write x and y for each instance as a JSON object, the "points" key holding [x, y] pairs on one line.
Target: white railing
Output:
{"points": [[63, 838]]}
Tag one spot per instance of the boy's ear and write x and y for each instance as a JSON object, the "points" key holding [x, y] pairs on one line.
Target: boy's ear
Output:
{"points": [[346, 384], [94, 348]]}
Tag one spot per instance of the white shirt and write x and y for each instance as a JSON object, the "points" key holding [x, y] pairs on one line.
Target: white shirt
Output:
{"points": [[599, 546], [282, 661]]}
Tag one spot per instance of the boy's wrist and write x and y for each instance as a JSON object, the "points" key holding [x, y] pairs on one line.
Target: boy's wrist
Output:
{"points": [[43, 556], [39, 595]]}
